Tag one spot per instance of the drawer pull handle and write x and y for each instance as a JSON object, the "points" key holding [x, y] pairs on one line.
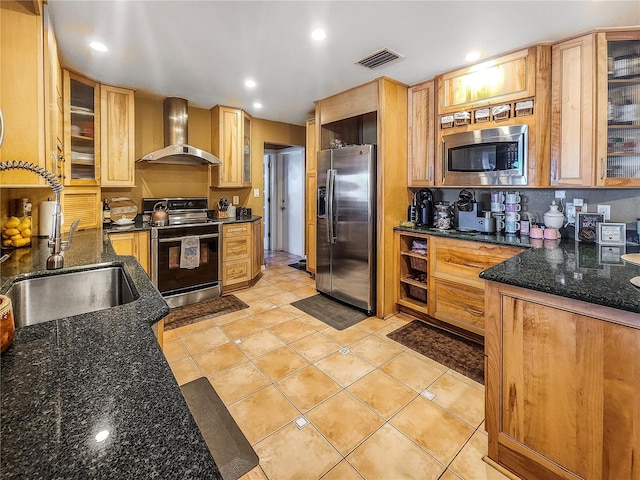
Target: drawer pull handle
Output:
{"points": [[473, 311], [472, 265]]}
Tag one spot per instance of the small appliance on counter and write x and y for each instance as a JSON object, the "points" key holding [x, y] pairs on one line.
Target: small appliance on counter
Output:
{"points": [[421, 210], [471, 216]]}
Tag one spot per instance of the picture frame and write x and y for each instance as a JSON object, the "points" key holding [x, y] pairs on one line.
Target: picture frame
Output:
{"points": [[611, 254], [612, 234], [587, 226]]}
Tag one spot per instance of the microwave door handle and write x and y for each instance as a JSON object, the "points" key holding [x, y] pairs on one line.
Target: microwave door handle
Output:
{"points": [[331, 176]]}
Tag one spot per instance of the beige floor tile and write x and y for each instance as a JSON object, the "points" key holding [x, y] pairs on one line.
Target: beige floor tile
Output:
{"points": [[344, 369], [290, 285], [308, 387], [204, 340], [259, 306], [375, 350], [238, 382], [194, 327], [231, 317], [345, 421], [465, 379], [242, 328], [273, 317], [267, 291], [342, 471], [291, 309], [372, 324], [308, 281], [449, 475], [218, 359], [388, 454], [469, 465], [247, 296], [292, 454], [346, 336], [412, 371], [174, 350], [292, 330], [434, 429], [185, 370], [315, 346], [259, 343], [403, 318], [170, 335], [459, 398], [263, 282], [254, 474], [392, 326], [282, 299], [304, 292], [262, 413], [382, 393], [280, 362]]}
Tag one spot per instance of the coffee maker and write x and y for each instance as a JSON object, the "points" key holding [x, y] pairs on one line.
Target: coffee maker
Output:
{"points": [[421, 210]]}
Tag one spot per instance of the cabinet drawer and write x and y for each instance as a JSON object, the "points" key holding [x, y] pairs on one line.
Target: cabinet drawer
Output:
{"points": [[235, 248], [236, 230], [462, 261], [460, 305], [236, 272]]}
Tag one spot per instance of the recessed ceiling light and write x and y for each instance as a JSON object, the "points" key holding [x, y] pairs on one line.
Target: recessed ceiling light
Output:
{"points": [[472, 56], [98, 46], [318, 34], [257, 105], [249, 83]]}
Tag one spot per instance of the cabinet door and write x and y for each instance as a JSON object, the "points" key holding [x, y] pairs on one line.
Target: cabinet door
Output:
{"points": [[81, 130], [246, 150], [227, 145], [618, 114], [117, 137], [132, 243], [572, 111], [310, 233], [22, 92], [257, 248], [421, 157], [82, 204], [235, 248], [459, 305], [53, 101], [143, 246]]}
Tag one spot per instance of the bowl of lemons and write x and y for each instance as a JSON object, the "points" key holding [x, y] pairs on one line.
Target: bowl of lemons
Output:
{"points": [[16, 232]]}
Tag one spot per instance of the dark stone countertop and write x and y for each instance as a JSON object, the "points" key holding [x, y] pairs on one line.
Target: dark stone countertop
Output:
{"points": [[64, 381], [591, 273]]}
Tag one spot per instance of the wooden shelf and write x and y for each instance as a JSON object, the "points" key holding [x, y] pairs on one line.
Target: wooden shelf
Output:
{"points": [[82, 138], [413, 254], [414, 304], [415, 283]]}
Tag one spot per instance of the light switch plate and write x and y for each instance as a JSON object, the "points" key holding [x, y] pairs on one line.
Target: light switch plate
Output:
{"points": [[606, 210], [236, 199], [256, 192]]}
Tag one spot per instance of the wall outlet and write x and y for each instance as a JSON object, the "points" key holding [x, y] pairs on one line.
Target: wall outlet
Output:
{"points": [[256, 192], [606, 210], [236, 199], [560, 194]]}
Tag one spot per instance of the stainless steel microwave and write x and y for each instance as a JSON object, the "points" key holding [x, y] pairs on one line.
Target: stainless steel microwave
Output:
{"points": [[493, 156]]}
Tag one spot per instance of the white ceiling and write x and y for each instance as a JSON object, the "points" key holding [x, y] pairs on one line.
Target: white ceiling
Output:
{"points": [[204, 50]]}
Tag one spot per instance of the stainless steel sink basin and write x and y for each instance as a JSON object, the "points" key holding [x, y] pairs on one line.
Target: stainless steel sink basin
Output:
{"points": [[41, 299]]}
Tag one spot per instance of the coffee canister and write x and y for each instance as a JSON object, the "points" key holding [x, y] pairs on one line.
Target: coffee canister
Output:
{"points": [[7, 324]]}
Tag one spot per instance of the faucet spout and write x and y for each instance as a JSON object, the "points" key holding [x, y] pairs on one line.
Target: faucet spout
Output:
{"points": [[56, 244]]}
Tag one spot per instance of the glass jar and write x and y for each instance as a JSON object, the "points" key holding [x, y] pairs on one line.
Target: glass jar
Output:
{"points": [[443, 215]]}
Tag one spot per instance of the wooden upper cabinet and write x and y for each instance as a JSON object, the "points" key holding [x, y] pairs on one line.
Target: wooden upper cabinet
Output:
{"points": [[421, 158], [22, 92], [572, 112], [54, 119], [231, 143], [117, 146], [311, 152], [503, 79], [81, 130]]}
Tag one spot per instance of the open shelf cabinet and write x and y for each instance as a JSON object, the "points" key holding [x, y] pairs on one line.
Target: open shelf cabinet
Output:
{"points": [[413, 271]]}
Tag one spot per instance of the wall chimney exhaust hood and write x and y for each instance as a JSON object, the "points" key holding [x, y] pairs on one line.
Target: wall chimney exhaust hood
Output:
{"points": [[177, 151]]}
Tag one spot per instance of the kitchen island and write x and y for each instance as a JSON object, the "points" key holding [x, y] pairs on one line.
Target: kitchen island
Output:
{"points": [[92, 396]]}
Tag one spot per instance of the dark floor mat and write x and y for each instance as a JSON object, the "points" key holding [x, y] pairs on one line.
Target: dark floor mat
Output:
{"points": [[297, 266], [196, 312], [331, 312], [453, 351], [229, 447]]}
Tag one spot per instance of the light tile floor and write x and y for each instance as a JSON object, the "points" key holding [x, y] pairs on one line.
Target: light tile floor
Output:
{"points": [[272, 363]]}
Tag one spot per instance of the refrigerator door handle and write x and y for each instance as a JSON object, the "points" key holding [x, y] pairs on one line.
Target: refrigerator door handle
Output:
{"points": [[331, 176]]}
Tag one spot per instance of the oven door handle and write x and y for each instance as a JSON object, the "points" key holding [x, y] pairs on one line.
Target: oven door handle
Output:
{"points": [[179, 239]]}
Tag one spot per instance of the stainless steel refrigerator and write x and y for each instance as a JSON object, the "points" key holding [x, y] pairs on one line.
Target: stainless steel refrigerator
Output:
{"points": [[346, 225]]}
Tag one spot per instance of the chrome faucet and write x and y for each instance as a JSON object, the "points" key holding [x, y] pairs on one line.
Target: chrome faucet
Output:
{"points": [[56, 244]]}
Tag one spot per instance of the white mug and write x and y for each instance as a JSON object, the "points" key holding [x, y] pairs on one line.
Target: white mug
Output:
{"points": [[497, 207], [511, 217], [497, 197], [513, 198], [511, 226]]}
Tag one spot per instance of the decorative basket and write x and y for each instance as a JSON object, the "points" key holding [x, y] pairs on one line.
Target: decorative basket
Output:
{"points": [[524, 108], [419, 264], [461, 118], [482, 115], [446, 121], [501, 112], [418, 293]]}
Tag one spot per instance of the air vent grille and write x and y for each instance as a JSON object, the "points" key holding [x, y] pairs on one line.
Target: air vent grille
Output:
{"points": [[379, 58]]}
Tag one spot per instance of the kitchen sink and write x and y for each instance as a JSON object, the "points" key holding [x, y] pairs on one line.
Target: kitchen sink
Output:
{"points": [[41, 299]]}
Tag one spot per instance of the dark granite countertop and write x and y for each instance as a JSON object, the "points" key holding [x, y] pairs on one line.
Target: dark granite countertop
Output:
{"points": [[591, 273], [65, 381]]}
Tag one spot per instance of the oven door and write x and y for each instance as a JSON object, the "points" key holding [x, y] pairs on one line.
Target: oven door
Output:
{"points": [[199, 280]]}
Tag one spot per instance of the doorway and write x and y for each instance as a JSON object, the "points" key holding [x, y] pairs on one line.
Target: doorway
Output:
{"points": [[284, 199]]}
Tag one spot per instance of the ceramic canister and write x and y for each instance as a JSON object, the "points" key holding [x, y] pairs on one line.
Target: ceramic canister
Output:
{"points": [[7, 325]]}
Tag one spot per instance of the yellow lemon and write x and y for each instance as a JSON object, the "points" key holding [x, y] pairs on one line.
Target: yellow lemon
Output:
{"points": [[11, 231], [26, 233]]}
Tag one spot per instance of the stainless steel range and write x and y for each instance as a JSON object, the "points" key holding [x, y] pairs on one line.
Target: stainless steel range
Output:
{"points": [[186, 252]]}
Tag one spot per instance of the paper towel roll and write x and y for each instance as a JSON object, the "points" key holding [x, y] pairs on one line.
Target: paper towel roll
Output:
{"points": [[45, 218]]}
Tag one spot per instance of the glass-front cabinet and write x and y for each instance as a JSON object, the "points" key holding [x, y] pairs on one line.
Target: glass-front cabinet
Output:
{"points": [[619, 112], [82, 130], [246, 150]]}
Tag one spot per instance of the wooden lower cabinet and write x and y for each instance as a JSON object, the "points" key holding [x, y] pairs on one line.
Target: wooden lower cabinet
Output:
{"points": [[132, 243], [459, 305], [562, 396], [413, 273], [239, 263]]}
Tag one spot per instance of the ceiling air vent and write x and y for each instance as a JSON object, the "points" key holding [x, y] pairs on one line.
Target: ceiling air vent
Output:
{"points": [[379, 58]]}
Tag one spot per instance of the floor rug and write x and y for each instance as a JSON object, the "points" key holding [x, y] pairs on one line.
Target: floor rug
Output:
{"points": [[457, 353], [297, 266], [196, 312], [229, 447], [331, 312]]}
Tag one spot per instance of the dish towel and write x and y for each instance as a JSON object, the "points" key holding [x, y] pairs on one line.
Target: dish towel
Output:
{"points": [[190, 252]]}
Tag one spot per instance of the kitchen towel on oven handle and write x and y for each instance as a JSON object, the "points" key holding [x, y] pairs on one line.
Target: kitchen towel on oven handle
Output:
{"points": [[190, 252]]}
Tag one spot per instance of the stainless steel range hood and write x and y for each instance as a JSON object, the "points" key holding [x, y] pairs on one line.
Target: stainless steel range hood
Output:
{"points": [[177, 151]]}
